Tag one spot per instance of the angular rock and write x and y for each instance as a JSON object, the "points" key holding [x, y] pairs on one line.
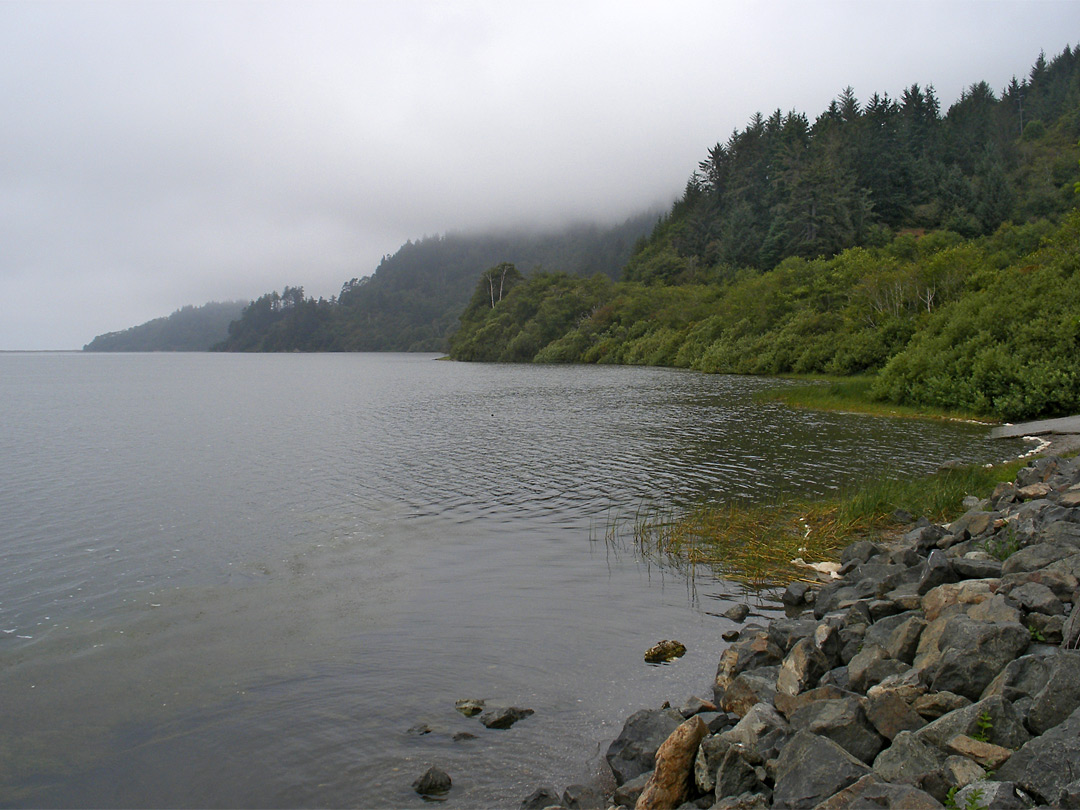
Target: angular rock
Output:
{"points": [[695, 705], [871, 791], [795, 593], [504, 718], [871, 666], [583, 797], [785, 632], [1060, 697], [1006, 724], [908, 686], [995, 609], [1035, 557], [1046, 629], [996, 795], [1024, 677], [960, 771], [974, 653], [967, 568], [673, 776], [844, 722], [787, 705], [801, 668], [761, 733], [938, 572], [937, 704], [752, 650], [811, 769], [968, 592], [1035, 597], [539, 799], [735, 775], [664, 651], [432, 782], [744, 801], [903, 642], [881, 630], [986, 754], [860, 551], [469, 706], [627, 793], [890, 715], [633, 752], [709, 756], [749, 688], [908, 759]]}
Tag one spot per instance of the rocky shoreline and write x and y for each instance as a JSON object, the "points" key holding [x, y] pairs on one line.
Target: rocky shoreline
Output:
{"points": [[941, 670]]}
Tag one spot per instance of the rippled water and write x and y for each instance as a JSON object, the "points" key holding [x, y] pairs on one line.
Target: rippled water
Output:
{"points": [[235, 580]]}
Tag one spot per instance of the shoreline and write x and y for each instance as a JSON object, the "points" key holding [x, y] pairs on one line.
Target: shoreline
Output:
{"points": [[874, 718]]}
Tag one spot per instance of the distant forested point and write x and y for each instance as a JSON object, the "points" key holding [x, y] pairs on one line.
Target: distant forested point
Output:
{"points": [[938, 253], [189, 329], [415, 296]]}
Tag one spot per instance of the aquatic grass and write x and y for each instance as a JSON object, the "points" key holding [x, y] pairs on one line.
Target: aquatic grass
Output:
{"points": [[759, 544], [852, 395]]}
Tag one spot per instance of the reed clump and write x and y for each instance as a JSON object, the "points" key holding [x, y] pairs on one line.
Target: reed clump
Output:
{"points": [[765, 545]]}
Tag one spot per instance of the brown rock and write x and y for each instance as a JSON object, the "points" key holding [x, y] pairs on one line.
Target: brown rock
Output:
{"points": [[968, 592], [986, 754], [937, 704], [1035, 491], [673, 777], [787, 705]]}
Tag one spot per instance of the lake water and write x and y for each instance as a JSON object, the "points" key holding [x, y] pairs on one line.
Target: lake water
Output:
{"points": [[239, 580]]}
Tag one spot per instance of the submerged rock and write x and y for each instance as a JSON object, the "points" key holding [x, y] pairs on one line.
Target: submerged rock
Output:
{"points": [[469, 706], [432, 782], [504, 718], [665, 651]]}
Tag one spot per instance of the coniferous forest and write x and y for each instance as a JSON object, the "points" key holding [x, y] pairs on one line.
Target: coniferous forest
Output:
{"points": [[937, 251]]}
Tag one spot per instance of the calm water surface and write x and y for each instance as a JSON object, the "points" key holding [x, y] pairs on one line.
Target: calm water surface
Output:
{"points": [[234, 580]]}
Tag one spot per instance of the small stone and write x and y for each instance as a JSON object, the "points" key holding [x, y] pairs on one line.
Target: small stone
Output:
{"points": [[730, 635], [938, 704], [463, 735], [737, 613], [469, 706], [583, 797], [539, 799], [795, 593], [665, 651], [419, 730], [433, 782]]}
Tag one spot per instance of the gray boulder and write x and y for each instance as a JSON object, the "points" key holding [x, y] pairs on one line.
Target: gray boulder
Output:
{"points": [[890, 715], [1047, 765], [871, 791], [974, 653], [844, 722], [1024, 677], [761, 733], [802, 667], [785, 632], [627, 793], [749, 688], [709, 756], [583, 797], [633, 752], [1006, 724], [734, 775], [908, 759], [811, 769], [1034, 597], [1060, 697], [967, 568], [871, 666]]}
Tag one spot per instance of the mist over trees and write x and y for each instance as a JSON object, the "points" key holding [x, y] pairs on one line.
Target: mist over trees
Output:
{"points": [[938, 252], [189, 329], [415, 296]]}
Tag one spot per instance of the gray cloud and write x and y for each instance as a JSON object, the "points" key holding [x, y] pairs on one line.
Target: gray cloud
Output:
{"points": [[158, 154]]}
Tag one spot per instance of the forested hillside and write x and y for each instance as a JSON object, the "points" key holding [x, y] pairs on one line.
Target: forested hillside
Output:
{"points": [[189, 329], [415, 296], [937, 251]]}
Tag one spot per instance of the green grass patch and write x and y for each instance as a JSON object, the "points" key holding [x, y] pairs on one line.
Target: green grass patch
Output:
{"points": [[852, 395], [756, 544]]}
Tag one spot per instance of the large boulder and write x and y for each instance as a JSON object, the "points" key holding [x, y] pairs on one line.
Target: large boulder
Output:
{"points": [[751, 651], [1046, 765], [633, 752], [1006, 724], [761, 733], [673, 776], [890, 714], [871, 791], [1060, 697], [749, 687], [908, 759], [974, 652], [802, 667], [844, 722], [811, 769]]}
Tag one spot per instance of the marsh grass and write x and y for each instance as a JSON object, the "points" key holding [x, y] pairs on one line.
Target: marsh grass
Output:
{"points": [[757, 544], [851, 395]]}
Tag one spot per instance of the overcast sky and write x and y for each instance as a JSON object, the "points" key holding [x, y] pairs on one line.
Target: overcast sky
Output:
{"points": [[156, 154]]}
